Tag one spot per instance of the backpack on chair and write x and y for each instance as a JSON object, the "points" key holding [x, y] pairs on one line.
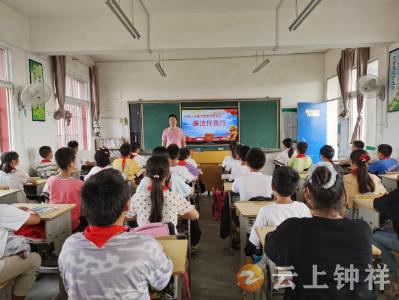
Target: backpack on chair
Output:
{"points": [[156, 229]]}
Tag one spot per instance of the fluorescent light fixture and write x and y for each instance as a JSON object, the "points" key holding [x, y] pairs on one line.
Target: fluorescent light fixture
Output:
{"points": [[160, 69], [117, 10], [262, 64], [304, 14]]}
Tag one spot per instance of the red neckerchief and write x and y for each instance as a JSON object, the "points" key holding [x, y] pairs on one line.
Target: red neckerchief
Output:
{"points": [[182, 163], [354, 171], [101, 235], [46, 161], [300, 155], [386, 157], [124, 162], [133, 155], [165, 187]]}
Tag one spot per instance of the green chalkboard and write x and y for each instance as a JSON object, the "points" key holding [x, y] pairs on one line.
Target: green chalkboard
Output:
{"points": [[155, 120], [260, 124]]}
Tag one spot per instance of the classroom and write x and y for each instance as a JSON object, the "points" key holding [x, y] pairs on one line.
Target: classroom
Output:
{"points": [[250, 154]]}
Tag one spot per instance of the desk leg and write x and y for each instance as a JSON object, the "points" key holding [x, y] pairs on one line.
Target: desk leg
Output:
{"points": [[58, 230], [243, 236], [178, 286]]}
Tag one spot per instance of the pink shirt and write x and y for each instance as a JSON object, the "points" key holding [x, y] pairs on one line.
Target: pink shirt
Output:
{"points": [[65, 191], [173, 136]]}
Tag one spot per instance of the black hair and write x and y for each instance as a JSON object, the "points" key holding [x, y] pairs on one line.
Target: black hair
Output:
{"points": [[358, 144], [64, 156], [188, 152], [256, 158], [360, 158], [104, 197], [237, 150], [242, 152], [102, 157], [288, 144], [173, 151], [125, 149], [385, 150], [327, 152], [172, 116], [44, 151], [285, 181], [73, 144], [302, 147], [6, 159], [183, 154], [160, 151], [135, 146], [157, 168], [326, 199]]}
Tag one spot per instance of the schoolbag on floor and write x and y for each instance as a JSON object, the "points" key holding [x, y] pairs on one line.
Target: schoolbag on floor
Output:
{"points": [[218, 199]]}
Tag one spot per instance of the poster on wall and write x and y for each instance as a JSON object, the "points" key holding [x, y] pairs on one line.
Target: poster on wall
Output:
{"points": [[36, 75], [393, 81]]}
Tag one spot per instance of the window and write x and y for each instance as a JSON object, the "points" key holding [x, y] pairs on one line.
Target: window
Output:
{"points": [[4, 103], [77, 102]]}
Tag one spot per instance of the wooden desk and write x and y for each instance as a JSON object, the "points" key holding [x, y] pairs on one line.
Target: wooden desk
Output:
{"points": [[35, 189], [57, 224], [247, 212], [390, 181], [364, 203], [9, 196]]}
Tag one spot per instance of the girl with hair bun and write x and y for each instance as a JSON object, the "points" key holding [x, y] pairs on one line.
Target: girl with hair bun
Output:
{"points": [[360, 181], [324, 243], [284, 156]]}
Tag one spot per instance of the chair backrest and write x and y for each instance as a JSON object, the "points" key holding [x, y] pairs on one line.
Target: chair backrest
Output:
{"points": [[260, 198], [156, 229]]}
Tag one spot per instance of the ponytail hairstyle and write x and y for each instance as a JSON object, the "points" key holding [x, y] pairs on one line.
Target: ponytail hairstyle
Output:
{"points": [[360, 158], [288, 144], [326, 188], [6, 159], [157, 169]]}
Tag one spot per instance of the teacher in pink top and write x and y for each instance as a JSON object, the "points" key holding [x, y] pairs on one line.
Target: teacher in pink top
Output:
{"points": [[173, 134]]}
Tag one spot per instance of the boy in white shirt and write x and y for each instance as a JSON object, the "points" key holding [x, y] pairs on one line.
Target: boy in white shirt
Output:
{"points": [[284, 183], [181, 171], [228, 161], [140, 159], [238, 170], [254, 184], [190, 160]]}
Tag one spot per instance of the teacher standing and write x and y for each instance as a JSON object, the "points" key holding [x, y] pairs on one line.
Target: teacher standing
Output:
{"points": [[173, 134]]}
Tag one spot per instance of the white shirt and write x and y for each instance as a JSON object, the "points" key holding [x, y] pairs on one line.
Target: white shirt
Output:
{"points": [[192, 161], [238, 170], [254, 184], [141, 160], [282, 158], [274, 214], [183, 173], [15, 180], [95, 170], [229, 162], [11, 218], [174, 205]]}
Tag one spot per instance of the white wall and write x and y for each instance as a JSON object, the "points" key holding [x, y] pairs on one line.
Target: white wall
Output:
{"points": [[293, 78], [27, 136], [386, 124]]}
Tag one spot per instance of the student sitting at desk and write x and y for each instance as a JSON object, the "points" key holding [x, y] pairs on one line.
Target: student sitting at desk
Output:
{"points": [[326, 243], [63, 188], [46, 167], [140, 159], [242, 168], [175, 182], [107, 261], [284, 157], [183, 157], [387, 240], [359, 181], [158, 203], [254, 184], [190, 160], [19, 266], [74, 145], [181, 171], [230, 160], [384, 163], [11, 177], [103, 161], [124, 164], [327, 153], [301, 162]]}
